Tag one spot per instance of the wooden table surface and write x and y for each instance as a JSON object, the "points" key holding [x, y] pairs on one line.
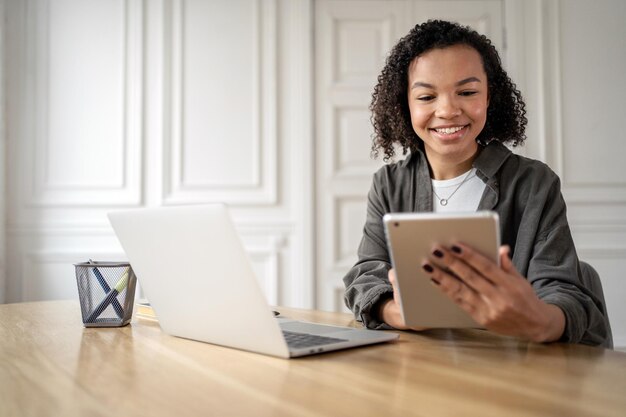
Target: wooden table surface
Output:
{"points": [[50, 365]]}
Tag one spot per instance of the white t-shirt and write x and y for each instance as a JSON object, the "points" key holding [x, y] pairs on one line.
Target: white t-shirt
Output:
{"points": [[465, 198]]}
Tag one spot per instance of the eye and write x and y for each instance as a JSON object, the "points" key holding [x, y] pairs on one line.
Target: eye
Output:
{"points": [[425, 97], [468, 93]]}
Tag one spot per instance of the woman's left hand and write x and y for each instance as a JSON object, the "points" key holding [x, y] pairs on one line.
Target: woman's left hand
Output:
{"points": [[497, 297]]}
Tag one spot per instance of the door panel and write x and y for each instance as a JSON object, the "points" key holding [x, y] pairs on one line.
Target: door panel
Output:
{"points": [[352, 39]]}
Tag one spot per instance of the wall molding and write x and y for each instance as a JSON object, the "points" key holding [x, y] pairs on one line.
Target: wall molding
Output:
{"points": [[342, 261], [551, 58], [269, 281], [345, 71], [385, 26], [31, 259], [262, 188], [3, 153], [355, 169], [534, 61], [608, 253], [42, 191], [296, 127], [264, 251], [244, 227]]}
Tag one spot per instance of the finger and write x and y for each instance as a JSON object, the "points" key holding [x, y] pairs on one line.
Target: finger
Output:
{"points": [[471, 307], [448, 283], [462, 270], [505, 258], [461, 294], [392, 276], [389, 310], [392, 279], [479, 262]]}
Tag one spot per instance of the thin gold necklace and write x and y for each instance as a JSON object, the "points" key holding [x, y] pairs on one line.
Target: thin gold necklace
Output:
{"points": [[444, 201]]}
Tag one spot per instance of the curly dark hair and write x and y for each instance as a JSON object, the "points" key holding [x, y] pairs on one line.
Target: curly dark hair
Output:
{"points": [[506, 114]]}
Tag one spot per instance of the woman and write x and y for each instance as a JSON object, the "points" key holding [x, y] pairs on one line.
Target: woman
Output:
{"points": [[444, 96]]}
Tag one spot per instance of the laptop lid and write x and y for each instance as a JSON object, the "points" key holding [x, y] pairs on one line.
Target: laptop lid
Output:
{"points": [[197, 276], [194, 270]]}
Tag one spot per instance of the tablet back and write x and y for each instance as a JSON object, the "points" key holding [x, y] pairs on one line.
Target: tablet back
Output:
{"points": [[411, 237]]}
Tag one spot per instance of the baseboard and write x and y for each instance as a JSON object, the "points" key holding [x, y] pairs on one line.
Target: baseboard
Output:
{"points": [[620, 344]]}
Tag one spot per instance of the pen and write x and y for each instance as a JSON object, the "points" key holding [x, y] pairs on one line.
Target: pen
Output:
{"points": [[105, 286], [119, 286]]}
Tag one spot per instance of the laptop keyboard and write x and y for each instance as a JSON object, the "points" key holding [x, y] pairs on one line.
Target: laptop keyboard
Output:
{"points": [[304, 340]]}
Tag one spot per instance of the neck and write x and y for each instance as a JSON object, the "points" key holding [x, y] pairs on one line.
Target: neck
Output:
{"points": [[448, 169]]}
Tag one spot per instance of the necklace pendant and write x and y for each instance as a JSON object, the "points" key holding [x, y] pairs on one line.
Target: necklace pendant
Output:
{"points": [[444, 201]]}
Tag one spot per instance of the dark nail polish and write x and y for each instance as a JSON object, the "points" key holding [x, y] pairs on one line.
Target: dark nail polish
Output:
{"points": [[456, 249], [434, 282], [438, 253], [427, 268]]}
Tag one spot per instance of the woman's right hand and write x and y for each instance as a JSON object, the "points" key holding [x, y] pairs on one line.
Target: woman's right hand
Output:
{"points": [[390, 309]]}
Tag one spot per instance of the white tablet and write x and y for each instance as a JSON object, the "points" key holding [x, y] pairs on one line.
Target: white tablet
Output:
{"points": [[410, 239]]}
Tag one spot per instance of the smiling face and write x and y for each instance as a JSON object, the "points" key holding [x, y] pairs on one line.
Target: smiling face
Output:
{"points": [[448, 99]]}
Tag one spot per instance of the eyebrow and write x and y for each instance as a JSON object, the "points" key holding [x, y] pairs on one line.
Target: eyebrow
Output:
{"points": [[458, 84]]}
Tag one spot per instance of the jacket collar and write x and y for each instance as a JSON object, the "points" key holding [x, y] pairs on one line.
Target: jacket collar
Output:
{"points": [[491, 158], [488, 162]]}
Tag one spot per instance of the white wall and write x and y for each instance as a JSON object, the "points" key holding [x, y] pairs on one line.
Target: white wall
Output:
{"points": [[134, 103], [589, 147]]}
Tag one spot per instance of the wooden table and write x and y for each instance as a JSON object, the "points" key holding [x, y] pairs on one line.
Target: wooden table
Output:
{"points": [[50, 365]]}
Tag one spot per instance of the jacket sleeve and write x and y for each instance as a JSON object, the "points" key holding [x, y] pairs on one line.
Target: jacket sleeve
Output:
{"points": [[367, 283], [555, 274]]}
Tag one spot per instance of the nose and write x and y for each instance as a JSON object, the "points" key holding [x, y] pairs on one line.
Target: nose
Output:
{"points": [[447, 107]]}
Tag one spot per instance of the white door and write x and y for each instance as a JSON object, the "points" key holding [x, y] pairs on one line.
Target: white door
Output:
{"points": [[352, 39]]}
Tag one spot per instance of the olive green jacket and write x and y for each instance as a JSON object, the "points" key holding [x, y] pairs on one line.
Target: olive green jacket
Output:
{"points": [[526, 195]]}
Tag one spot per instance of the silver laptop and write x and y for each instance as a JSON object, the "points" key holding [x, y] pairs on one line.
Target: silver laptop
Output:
{"points": [[196, 274]]}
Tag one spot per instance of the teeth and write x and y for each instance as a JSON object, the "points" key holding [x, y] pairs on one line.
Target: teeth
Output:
{"points": [[449, 130]]}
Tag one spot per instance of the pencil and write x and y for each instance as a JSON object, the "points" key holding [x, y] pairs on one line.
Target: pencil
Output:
{"points": [[105, 286], [108, 299]]}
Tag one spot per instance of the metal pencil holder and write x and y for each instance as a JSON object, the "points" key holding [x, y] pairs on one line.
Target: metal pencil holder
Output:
{"points": [[106, 291]]}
